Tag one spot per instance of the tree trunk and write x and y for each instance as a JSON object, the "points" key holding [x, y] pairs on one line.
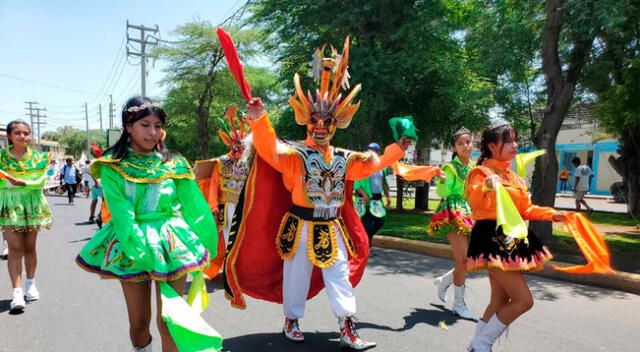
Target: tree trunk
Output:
{"points": [[422, 190], [560, 88], [628, 166], [399, 193], [202, 121]]}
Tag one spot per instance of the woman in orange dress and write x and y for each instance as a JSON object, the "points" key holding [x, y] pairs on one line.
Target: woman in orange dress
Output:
{"points": [[506, 258]]}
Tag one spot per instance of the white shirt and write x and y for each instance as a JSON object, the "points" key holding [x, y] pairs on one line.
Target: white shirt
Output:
{"points": [[583, 172], [85, 173]]}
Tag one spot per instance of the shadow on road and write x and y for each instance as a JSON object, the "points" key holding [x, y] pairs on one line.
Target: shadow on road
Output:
{"points": [[550, 290], [80, 240], [268, 342], [431, 317], [5, 306]]}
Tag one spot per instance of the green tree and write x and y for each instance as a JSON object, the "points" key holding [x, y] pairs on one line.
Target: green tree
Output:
{"points": [[406, 55], [75, 139], [201, 86]]}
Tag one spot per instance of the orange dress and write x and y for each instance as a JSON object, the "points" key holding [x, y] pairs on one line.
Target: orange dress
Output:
{"points": [[490, 247]]}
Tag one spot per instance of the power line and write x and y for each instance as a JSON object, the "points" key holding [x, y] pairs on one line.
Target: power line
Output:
{"points": [[48, 85], [113, 65], [11, 113]]}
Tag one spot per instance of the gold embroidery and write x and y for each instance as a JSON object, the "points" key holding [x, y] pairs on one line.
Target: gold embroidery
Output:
{"points": [[323, 242]]}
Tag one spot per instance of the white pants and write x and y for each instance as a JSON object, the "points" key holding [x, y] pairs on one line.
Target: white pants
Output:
{"points": [[297, 279], [228, 215]]}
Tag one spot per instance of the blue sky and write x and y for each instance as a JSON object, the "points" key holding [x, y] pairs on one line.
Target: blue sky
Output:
{"points": [[75, 44]]}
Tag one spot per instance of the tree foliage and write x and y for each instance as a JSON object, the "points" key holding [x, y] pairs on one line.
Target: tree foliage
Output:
{"points": [[75, 139], [405, 54], [201, 86]]}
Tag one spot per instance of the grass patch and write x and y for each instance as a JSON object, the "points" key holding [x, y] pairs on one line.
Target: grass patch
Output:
{"points": [[615, 219], [413, 226]]}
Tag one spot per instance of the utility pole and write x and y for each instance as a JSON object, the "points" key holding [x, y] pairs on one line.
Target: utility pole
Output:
{"points": [[142, 54], [111, 111], [86, 119], [39, 123], [100, 112], [34, 113], [30, 108]]}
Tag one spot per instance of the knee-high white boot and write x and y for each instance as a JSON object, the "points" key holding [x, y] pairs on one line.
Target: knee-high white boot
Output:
{"points": [[443, 282], [488, 335], [459, 305], [479, 327]]}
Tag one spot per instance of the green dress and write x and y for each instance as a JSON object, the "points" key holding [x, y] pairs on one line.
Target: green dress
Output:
{"points": [[453, 213], [24, 208], [161, 226]]}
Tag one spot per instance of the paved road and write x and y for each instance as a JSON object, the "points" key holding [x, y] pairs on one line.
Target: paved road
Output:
{"points": [[397, 302]]}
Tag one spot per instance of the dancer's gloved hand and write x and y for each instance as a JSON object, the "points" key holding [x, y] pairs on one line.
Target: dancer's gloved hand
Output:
{"points": [[404, 143], [255, 109]]}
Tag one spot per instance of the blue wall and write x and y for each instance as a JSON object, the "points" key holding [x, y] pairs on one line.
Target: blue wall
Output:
{"points": [[597, 148]]}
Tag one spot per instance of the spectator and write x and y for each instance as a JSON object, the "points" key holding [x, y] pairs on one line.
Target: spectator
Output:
{"points": [[69, 178], [583, 176], [96, 192], [86, 178], [564, 179]]}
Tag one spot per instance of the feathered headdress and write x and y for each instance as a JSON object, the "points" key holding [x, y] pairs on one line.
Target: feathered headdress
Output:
{"points": [[237, 125], [333, 76]]}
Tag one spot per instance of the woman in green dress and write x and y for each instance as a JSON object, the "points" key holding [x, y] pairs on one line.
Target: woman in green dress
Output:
{"points": [[23, 209], [452, 219], [161, 226]]}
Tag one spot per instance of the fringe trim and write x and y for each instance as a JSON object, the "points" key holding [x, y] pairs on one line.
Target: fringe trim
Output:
{"points": [[325, 212], [142, 276], [30, 228], [536, 264], [461, 228]]}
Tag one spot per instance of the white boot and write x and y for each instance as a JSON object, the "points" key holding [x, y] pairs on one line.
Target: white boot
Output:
{"points": [[18, 302], [5, 250], [459, 306], [479, 327], [147, 348], [489, 335], [31, 292], [443, 282]]}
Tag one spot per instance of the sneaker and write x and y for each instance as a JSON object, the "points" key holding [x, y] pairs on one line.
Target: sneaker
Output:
{"points": [[18, 303], [589, 211], [5, 250], [291, 330], [92, 219], [32, 293], [349, 338]]}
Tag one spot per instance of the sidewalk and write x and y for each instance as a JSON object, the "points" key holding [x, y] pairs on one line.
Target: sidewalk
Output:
{"points": [[622, 281], [566, 201]]}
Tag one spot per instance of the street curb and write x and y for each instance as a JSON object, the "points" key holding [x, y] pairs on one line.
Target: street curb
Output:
{"points": [[621, 281]]}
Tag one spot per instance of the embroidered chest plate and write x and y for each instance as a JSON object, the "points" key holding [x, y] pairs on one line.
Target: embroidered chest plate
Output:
{"points": [[324, 182], [233, 175]]}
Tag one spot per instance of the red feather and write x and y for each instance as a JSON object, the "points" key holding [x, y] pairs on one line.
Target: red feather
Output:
{"points": [[231, 55], [96, 150]]}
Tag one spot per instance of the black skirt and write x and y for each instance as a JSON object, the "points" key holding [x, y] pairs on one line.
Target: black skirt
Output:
{"points": [[489, 248]]}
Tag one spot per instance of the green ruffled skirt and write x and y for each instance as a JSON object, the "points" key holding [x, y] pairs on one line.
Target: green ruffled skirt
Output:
{"points": [[24, 210], [453, 215], [170, 248]]}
